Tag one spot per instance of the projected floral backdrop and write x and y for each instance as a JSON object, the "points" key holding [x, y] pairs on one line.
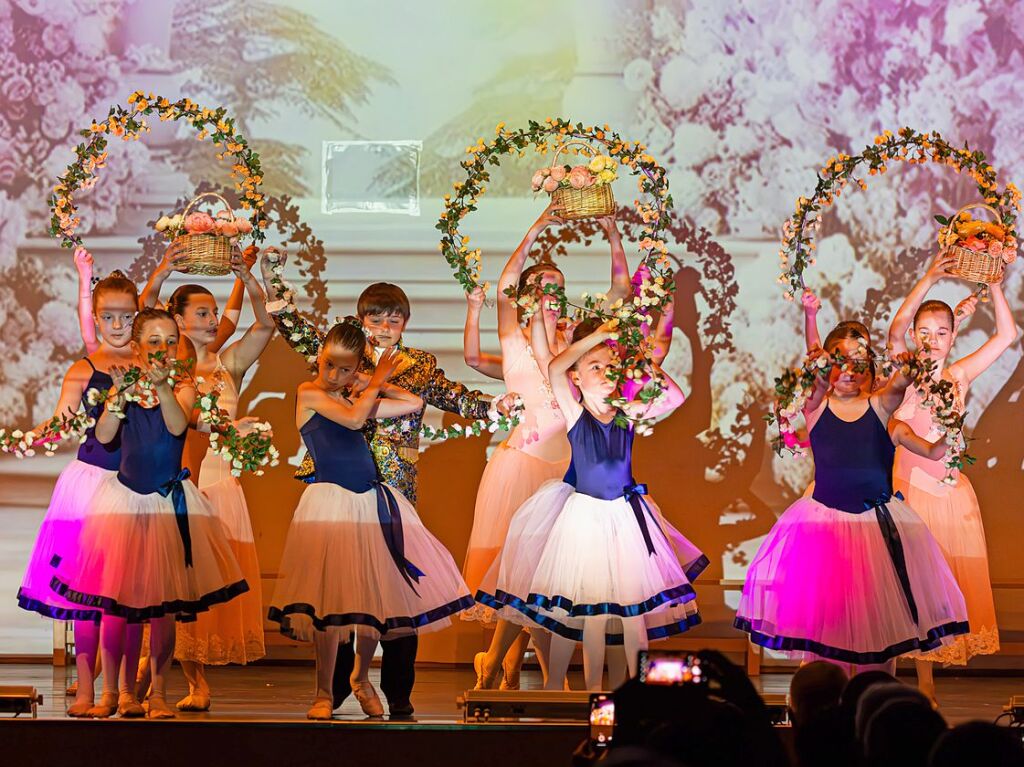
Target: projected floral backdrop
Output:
{"points": [[741, 100]]}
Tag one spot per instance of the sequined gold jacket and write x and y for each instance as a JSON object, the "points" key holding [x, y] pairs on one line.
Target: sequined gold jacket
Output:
{"points": [[393, 441]]}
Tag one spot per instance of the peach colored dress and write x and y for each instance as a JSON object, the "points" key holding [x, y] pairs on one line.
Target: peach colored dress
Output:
{"points": [[535, 452], [231, 632], [952, 515]]}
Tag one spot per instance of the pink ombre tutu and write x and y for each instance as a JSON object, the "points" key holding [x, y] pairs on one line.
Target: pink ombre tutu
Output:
{"points": [[859, 584], [60, 531]]}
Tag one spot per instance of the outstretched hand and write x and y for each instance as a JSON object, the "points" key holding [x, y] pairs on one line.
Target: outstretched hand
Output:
{"points": [[387, 364], [83, 261]]}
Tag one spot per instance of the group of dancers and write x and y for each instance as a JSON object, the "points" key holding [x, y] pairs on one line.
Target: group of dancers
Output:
{"points": [[148, 548]]}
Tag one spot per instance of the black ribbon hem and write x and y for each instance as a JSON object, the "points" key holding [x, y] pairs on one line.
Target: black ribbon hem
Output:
{"points": [[57, 613], [177, 607], [322, 623]]}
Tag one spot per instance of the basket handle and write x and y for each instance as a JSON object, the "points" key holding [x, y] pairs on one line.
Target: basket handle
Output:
{"points": [[571, 142], [972, 206], [195, 200]]}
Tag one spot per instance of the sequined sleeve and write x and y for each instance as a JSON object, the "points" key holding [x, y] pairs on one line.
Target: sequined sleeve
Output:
{"points": [[299, 332], [453, 397]]}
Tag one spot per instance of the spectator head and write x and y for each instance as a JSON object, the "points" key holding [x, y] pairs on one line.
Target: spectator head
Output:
{"points": [[902, 733], [815, 687], [879, 695], [981, 743]]}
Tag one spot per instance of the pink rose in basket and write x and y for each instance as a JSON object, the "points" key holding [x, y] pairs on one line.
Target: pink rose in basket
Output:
{"points": [[199, 223], [550, 184], [580, 177], [537, 181], [995, 249], [558, 172], [227, 228], [244, 225], [225, 215]]}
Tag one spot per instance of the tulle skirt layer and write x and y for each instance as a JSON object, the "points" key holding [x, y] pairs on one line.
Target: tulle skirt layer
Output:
{"points": [[60, 531], [953, 517], [509, 479], [824, 583], [231, 632], [570, 558], [130, 558], [337, 572]]}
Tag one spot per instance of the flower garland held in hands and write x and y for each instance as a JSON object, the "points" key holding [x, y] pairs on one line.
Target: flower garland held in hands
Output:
{"points": [[907, 145], [301, 335], [250, 451], [495, 421], [796, 385], [59, 429], [129, 124]]}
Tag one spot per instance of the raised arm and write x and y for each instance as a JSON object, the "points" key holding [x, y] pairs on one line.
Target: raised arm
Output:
{"points": [[558, 370], [352, 414], [508, 314], [86, 322], [811, 305], [671, 398], [395, 401], [621, 286], [108, 424], [175, 403], [480, 361], [904, 319], [172, 259], [240, 356], [890, 397], [974, 364], [903, 436]]}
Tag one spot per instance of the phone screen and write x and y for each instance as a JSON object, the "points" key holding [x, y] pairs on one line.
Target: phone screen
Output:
{"points": [[602, 720], [668, 668]]}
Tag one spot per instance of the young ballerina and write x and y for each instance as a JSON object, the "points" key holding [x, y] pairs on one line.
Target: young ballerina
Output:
{"points": [[384, 310], [849, 572], [537, 450], [589, 558], [150, 548], [114, 303], [950, 511], [358, 564], [231, 632]]}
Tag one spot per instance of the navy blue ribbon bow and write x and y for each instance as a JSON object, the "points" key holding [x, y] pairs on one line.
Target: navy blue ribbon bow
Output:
{"points": [[891, 534], [176, 490], [390, 518], [635, 495]]}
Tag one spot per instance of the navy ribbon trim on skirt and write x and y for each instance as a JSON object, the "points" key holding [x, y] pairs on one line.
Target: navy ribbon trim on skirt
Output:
{"points": [[33, 605], [635, 495], [391, 526], [932, 640], [182, 609], [175, 489], [383, 626], [502, 599], [891, 535]]}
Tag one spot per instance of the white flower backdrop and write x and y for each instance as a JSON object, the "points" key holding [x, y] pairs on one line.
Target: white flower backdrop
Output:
{"points": [[742, 100]]}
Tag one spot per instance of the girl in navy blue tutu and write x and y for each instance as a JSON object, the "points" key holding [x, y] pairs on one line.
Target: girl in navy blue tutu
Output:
{"points": [[591, 558], [850, 573], [358, 564], [150, 548]]}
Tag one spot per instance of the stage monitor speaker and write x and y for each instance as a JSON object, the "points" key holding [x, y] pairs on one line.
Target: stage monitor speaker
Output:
{"points": [[19, 699], [493, 705]]}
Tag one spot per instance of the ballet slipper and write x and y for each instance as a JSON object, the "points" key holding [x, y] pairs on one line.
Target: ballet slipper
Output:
{"points": [[195, 701], [107, 707], [367, 697], [158, 709], [128, 707], [72, 690], [80, 708], [482, 682], [510, 673], [321, 709]]}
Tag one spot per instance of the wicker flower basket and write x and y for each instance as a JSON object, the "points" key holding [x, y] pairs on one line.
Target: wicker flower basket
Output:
{"points": [[590, 202], [972, 265], [206, 254]]}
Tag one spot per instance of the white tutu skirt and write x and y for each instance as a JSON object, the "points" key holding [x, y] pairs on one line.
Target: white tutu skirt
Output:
{"points": [[60, 531], [824, 583], [231, 632], [337, 573], [130, 559], [570, 558]]}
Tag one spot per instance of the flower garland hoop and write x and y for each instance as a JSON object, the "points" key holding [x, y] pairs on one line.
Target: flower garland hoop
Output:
{"points": [[129, 124], [907, 145], [655, 266]]}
